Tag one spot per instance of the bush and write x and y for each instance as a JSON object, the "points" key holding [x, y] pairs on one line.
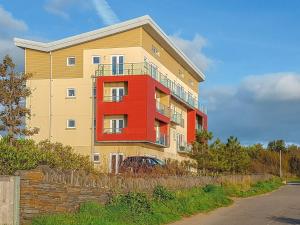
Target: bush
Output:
{"points": [[137, 203], [26, 155], [161, 193]]}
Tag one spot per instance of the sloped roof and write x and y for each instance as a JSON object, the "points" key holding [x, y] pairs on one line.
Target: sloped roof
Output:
{"points": [[144, 21]]}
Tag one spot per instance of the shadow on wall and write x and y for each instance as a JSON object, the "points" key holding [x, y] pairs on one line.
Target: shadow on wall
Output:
{"points": [[286, 220]]}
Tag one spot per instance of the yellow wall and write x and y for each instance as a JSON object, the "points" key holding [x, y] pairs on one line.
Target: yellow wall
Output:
{"points": [[134, 45], [168, 61], [37, 63]]}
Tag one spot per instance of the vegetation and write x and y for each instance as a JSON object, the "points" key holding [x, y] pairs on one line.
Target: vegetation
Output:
{"points": [[232, 157], [26, 154], [162, 207], [13, 92]]}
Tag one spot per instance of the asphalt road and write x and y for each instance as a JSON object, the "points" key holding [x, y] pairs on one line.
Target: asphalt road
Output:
{"points": [[278, 207]]}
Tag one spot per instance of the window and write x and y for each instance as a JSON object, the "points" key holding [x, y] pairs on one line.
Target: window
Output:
{"points": [[94, 91], [115, 162], [117, 94], [71, 93], [96, 59], [155, 50], [96, 157], [117, 64], [71, 61], [71, 124], [117, 125]]}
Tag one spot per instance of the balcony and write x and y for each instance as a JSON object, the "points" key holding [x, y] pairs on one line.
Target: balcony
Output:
{"points": [[162, 109], [162, 139], [146, 68], [177, 118], [112, 130], [184, 147], [113, 98]]}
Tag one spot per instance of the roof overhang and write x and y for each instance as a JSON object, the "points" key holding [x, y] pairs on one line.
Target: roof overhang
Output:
{"points": [[144, 21]]}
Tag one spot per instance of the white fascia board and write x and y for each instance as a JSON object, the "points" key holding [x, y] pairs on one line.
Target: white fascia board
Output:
{"points": [[106, 31]]}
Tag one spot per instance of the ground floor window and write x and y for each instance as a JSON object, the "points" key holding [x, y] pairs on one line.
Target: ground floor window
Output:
{"points": [[115, 162]]}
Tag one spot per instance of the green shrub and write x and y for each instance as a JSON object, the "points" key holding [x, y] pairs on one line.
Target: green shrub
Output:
{"points": [[137, 203], [209, 188], [26, 154], [161, 193]]}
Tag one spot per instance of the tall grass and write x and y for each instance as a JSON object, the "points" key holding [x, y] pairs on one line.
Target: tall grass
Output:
{"points": [[162, 207]]}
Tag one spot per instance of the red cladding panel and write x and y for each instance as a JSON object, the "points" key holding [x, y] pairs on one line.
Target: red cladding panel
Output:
{"points": [[139, 106]]}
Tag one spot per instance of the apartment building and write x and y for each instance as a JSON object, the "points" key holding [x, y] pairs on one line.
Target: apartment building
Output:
{"points": [[122, 90]]}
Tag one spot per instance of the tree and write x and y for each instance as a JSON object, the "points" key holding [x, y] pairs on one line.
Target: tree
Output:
{"points": [[201, 149], [277, 145], [13, 92], [237, 157]]}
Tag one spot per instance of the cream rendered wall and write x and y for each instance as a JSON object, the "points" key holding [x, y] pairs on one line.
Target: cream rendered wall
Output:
{"points": [[81, 107], [38, 103]]}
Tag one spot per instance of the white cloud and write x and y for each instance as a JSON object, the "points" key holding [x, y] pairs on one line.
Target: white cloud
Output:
{"points": [[10, 26], [105, 12], [63, 8], [8, 22], [279, 86], [260, 108], [194, 50], [57, 7]]}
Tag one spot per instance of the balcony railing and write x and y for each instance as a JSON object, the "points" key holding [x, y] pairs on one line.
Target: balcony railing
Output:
{"points": [[184, 147], [162, 109], [162, 139], [112, 130], [113, 98], [146, 68], [177, 118]]}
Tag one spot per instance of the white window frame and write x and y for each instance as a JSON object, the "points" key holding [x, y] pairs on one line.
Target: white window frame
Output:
{"points": [[117, 161], [68, 127], [96, 56], [118, 63], [118, 92], [69, 96], [117, 123], [96, 154], [68, 61]]}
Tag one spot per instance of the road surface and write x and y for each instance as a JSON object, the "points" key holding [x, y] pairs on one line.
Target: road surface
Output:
{"points": [[278, 207]]}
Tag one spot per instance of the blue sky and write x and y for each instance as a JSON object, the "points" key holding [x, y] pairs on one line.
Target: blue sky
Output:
{"points": [[249, 51]]}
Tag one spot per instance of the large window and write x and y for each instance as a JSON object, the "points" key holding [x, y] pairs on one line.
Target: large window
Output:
{"points": [[71, 60], [115, 162], [117, 94], [117, 64], [117, 125]]}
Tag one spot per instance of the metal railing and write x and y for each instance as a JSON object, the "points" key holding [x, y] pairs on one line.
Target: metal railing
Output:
{"points": [[162, 109], [118, 98], [162, 139], [112, 130], [146, 68], [177, 118], [184, 147]]}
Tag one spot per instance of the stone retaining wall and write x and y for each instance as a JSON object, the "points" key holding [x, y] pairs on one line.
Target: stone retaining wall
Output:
{"points": [[45, 191]]}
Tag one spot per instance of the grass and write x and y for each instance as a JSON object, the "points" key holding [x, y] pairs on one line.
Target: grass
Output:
{"points": [[293, 179], [254, 189], [161, 208]]}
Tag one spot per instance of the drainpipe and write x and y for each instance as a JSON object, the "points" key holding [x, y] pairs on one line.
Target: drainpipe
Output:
{"points": [[50, 98], [93, 118]]}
